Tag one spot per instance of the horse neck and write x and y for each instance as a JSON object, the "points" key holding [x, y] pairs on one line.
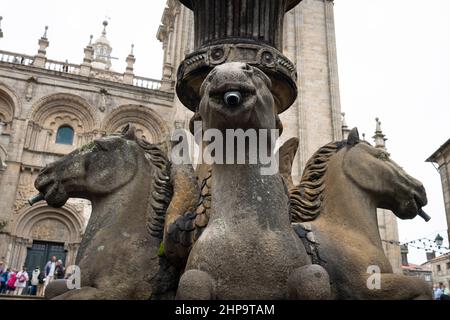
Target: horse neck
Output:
{"points": [[346, 204], [242, 194], [128, 205]]}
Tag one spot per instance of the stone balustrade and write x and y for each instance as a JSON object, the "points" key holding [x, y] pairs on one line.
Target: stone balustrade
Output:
{"points": [[70, 68]]}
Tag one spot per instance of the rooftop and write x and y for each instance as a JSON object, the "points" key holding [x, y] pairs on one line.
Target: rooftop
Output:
{"points": [[438, 152]]}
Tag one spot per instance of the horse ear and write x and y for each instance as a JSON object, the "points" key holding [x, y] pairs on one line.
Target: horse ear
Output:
{"points": [[279, 125], [353, 137], [195, 117], [129, 132]]}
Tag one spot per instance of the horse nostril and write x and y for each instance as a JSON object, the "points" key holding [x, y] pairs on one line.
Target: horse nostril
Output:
{"points": [[233, 98]]}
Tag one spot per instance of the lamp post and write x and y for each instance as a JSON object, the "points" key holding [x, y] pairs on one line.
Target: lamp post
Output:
{"points": [[439, 241]]}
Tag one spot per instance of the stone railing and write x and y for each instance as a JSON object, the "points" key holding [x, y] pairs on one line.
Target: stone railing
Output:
{"points": [[16, 58], [71, 68], [147, 83], [62, 66]]}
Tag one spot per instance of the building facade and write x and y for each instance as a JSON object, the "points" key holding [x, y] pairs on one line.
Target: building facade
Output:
{"points": [[442, 159], [440, 267], [49, 108]]}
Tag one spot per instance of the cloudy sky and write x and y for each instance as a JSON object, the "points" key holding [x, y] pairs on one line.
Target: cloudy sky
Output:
{"points": [[393, 56]]}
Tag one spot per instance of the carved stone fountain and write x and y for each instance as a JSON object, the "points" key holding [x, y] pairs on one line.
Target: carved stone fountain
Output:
{"points": [[243, 235], [249, 31]]}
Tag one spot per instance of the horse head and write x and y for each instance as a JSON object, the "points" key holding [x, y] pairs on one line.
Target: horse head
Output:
{"points": [[236, 95], [99, 168], [385, 181]]}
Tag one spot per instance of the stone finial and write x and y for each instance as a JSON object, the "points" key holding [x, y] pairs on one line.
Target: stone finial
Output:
{"points": [[40, 59], [90, 39], [105, 24], [44, 36], [344, 127], [128, 76], [379, 137]]}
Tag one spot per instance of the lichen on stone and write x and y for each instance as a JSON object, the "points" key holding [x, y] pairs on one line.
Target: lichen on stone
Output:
{"points": [[88, 147]]}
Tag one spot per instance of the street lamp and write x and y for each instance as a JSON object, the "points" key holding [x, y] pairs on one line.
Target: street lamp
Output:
{"points": [[439, 241]]}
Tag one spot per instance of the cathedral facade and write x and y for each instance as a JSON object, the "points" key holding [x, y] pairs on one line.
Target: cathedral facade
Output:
{"points": [[49, 108]]}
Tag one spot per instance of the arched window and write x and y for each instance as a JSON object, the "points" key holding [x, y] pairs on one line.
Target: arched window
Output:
{"points": [[64, 135]]}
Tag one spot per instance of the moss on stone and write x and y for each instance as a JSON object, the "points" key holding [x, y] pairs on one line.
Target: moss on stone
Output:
{"points": [[161, 251], [87, 147]]}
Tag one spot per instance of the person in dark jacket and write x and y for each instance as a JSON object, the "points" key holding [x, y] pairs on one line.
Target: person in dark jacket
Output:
{"points": [[59, 270]]}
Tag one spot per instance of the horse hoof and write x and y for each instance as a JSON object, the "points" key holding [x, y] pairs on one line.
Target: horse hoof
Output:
{"points": [[55, 288], [310, 282], [195, 285]]}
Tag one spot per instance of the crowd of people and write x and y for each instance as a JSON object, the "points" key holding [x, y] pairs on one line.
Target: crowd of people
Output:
{"points": [[23, 282], [441, 292]]}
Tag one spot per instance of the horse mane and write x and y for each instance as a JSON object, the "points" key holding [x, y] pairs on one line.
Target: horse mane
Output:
{"points": [[306, 199], [162, 187]]}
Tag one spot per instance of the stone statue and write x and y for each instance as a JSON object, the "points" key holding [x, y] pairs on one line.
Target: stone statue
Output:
{"points": [[130, 184], [249, 249], [228, 231], [342, 186]]}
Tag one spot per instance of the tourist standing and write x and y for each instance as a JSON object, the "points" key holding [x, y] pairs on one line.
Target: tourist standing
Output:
{"points": [[50, 271], [3, 281], [11, 283], [59, 270], [21, 281], [437, 293], [35, 278]]}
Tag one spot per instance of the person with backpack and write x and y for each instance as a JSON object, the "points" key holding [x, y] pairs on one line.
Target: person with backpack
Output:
{"points": [[36, 278], [21, 281], [11, 283]]}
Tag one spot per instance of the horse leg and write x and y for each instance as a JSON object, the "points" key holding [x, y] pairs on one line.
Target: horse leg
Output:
{"points": [[310, 282], [399, 287], [195, 285]]}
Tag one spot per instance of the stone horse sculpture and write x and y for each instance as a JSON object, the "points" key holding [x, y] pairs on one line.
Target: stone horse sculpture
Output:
{"points": [[342, 186], [130, 184], [248, 250]]}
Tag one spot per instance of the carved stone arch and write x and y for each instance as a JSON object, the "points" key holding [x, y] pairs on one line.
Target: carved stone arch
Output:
{"points": [[57, 110], [64, 224], [10, 106], [68, 108], [45, 224], [147, 122]]}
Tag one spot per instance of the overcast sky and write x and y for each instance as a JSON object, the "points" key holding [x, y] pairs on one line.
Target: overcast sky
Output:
{"points": [[393, 56]]}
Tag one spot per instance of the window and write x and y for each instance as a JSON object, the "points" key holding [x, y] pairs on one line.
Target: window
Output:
{"points": [[438, 268], [64, 135]]}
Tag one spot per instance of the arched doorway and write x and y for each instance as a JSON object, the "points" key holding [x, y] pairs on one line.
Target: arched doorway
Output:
{"points": [[41, 232]]}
